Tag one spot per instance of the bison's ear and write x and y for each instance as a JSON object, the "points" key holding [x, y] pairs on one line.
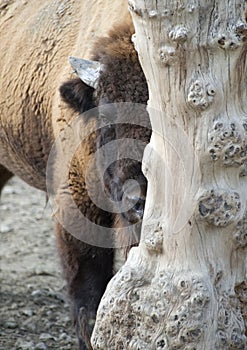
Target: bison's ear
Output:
{"points": [[87, 71], [77, 95]]}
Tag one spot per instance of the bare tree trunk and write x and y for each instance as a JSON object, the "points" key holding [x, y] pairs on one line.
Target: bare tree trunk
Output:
{"points": [[185, 286]]}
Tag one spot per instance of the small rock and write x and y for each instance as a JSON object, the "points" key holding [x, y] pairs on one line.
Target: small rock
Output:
{"points": [[37, 293], [5, 208], [24, 345], [14, 306], [5, 228], [10, 190], [27, 312], [11, 324], [56, 295], [67, 319], [26, 323], [63, 336], [45, 337], [40, 346], [39, 216]]}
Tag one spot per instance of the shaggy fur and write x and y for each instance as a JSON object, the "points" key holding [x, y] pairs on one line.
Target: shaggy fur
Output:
{"points": [[33, 64], [78, 94], [121, 81]]}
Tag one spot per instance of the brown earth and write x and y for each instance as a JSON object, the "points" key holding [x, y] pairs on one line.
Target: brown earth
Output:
{"points": [[34, 312]]}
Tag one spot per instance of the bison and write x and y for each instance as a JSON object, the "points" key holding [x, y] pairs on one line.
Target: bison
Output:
{"points": [[32, 117]]}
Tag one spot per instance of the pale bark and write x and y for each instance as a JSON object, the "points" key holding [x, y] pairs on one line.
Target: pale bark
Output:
{"points": [[185, 286]]}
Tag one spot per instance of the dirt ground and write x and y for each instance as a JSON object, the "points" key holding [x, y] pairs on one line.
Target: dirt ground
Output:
{"points": [[34, 312]]}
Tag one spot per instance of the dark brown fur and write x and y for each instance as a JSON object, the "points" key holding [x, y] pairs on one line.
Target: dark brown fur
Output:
{"points": [[88, 269], [123, 79]]}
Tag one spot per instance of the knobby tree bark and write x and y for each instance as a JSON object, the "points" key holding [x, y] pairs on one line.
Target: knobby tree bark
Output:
{"points": [[185, 286]]}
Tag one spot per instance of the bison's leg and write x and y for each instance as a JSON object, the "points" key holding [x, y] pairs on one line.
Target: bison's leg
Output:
{"points": [[5, 175], [87, 270]]}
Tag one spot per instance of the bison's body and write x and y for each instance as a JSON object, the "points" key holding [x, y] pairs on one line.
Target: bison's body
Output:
{"points": [[38, 37]]}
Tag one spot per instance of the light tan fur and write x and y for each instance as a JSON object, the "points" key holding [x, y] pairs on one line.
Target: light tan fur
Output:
{"points": [[37, 36]]}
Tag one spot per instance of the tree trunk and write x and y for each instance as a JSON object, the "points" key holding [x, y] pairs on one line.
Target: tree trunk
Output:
{"points": [[185, 286]]}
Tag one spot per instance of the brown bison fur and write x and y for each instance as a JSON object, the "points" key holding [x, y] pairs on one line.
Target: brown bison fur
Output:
{"points": [[88, 269], [122, 79]]}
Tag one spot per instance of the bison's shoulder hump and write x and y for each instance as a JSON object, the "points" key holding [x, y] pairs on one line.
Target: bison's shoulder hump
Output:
{"points": [[117, 44]]}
